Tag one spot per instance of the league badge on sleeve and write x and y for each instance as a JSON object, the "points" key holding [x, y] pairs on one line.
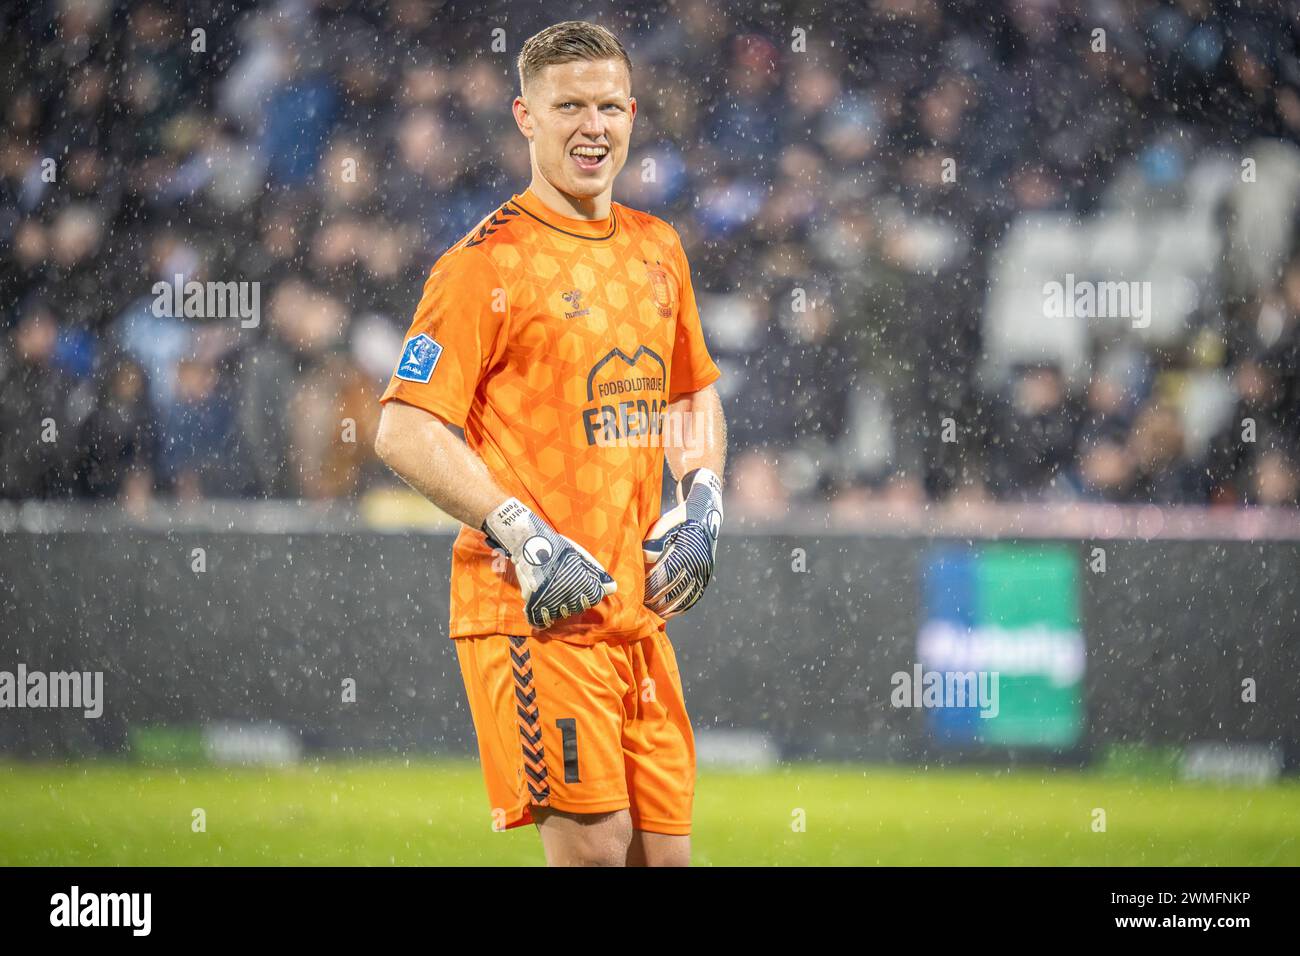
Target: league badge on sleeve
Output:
{"points": [[418, 359]]}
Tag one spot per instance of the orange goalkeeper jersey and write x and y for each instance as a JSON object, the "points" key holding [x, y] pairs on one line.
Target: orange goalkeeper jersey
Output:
{"points": [[556, 344]]}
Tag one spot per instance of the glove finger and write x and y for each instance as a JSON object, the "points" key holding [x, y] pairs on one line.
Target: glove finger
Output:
{"points": [[654, 548], [688, 599], [670, 568], [660, 535], [583, 594], [696, 550], [673, 599], [596, 566], [663, 581], [539, 617]]}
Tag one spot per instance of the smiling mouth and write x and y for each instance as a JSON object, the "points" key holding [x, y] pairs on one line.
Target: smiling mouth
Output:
{"points": [[589, 157]]}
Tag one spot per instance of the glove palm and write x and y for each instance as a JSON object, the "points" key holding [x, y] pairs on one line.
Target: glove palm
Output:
{"points": [[681, 547]]}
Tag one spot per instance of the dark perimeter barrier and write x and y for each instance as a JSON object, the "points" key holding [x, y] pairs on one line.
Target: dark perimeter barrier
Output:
{"points": [[1160, 640]]}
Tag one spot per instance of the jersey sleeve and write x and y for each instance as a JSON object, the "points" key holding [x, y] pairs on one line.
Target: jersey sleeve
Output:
{"points": [[457, 330], [692, 366]]}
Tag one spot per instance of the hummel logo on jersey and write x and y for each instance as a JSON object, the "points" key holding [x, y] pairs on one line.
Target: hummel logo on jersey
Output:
{"points": [[574, 298], [418, 359]]}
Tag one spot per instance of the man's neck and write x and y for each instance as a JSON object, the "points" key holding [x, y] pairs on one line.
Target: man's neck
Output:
{"points": [[574, 207]]}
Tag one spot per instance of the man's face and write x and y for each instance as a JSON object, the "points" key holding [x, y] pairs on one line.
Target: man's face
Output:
{"points": [[578, 120]]}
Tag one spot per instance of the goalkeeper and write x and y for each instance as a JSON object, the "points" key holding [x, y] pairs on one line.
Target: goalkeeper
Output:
{"points": [[560, 335]]}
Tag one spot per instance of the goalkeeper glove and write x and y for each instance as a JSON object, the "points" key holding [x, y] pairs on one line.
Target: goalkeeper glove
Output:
{"points": [[680, 549], [557, 576]]}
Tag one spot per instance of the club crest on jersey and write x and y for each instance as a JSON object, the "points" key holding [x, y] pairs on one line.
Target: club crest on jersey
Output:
{"points": [[662, 289], [418, 359], [574, 298]]}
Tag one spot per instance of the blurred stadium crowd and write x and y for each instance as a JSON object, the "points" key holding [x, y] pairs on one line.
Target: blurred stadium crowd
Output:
{"points": [[788, 173]]}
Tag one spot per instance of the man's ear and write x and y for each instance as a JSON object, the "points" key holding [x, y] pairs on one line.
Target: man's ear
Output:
{"points": [[631, 107], [523, 118]]}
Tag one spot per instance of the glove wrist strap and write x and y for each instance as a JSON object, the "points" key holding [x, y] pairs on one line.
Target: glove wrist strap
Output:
{"points": [[509, 525], [701, 476]]}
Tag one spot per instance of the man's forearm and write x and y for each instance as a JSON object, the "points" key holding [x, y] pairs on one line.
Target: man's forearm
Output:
{"points": [[435, 462], [704, 433]]}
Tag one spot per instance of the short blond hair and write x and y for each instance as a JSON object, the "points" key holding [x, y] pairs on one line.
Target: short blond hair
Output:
{"points": [[566, 42]]}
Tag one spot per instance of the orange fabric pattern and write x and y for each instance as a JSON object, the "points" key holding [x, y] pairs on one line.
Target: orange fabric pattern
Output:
{"points": [[556, 344], [581, 729]]}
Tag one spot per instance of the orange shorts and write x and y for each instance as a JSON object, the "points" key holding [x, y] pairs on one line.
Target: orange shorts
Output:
{"points": [[581, 729]]}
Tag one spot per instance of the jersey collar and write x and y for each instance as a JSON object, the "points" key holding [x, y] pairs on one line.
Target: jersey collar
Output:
{"points": [[533, 207]]}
